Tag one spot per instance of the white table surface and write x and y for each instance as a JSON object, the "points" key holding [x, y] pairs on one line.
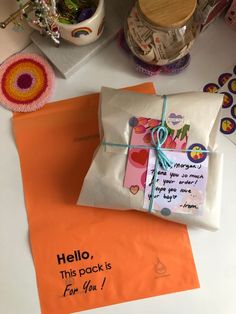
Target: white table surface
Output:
{"points": [[214, 252]]}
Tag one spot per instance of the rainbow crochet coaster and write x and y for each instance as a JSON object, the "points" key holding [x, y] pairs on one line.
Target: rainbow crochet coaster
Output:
{"points": [[26, 82]]}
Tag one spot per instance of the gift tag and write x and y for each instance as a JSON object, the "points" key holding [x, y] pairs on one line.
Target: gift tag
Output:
{"points": [[181, 189], [137, 160]]}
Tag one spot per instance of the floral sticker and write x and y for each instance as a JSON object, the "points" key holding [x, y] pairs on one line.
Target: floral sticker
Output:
{"points": [[211, 88], [232, 86], [233, 111], [197, 153], [227, 126], [227, 101], [223, 78]]}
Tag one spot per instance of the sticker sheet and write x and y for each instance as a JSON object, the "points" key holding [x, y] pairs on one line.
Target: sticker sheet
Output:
{"points": [[214, 87], [226, 85], [228, 111]]}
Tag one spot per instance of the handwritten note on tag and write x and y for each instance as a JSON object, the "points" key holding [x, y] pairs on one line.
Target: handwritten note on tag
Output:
{"points": [[180, 189]]}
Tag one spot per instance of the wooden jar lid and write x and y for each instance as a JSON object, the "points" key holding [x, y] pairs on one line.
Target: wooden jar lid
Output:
{"points": [[167, 13]]}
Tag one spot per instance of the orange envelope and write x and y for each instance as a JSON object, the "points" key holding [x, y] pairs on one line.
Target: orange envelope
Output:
{"points": [[87, 257]]}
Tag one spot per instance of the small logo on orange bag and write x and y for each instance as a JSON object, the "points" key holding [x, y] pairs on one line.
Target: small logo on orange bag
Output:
{"points": [[160, 269]]}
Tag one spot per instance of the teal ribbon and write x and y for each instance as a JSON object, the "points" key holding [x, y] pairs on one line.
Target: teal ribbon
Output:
{"points": [[159, 135]]}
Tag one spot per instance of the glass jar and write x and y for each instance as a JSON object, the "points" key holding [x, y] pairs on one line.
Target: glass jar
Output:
{"points": [[160, 32]]}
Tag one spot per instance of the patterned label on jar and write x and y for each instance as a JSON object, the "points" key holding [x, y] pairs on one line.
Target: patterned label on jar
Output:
{"points": [[139, 32], [159, 47]]}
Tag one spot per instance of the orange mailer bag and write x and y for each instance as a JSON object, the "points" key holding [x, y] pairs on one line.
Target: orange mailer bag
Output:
{"points": [[88, 257]]}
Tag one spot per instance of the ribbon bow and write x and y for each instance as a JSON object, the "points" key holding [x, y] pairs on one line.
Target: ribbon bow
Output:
{"points": [[159, 135]]}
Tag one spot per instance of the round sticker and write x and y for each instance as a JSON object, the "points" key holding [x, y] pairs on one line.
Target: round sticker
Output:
{"points": [[197, 154], [165, 212], [175, 121], [227, 126], [133, 122], [233, 111], [232, 86], [223, 78], [227, 101], [211, 88]]}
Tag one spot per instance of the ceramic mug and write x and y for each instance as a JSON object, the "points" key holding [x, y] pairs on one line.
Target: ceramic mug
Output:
{"points": [[86, 31]]}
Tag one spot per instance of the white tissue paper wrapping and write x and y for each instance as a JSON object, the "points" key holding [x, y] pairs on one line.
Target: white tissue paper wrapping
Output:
{"points": [[103, 184]]}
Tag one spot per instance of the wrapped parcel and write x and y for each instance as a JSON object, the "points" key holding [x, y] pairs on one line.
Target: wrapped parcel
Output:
{"points": [[140, 134]]}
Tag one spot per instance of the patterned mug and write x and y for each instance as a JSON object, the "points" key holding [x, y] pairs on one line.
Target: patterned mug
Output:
{"points": [[86, 31]]}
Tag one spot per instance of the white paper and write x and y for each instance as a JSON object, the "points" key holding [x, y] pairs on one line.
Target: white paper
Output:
{"points": [[103, 184]]}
